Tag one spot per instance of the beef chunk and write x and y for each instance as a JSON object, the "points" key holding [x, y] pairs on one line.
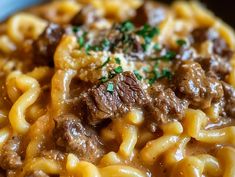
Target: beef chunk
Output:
{"points": [[71, 134], [165, 104], [200, 35], [229, 94], [10, 158], [86, 16], [102, 104], [220, 47], [192, 83], [37, 173], [45, 46], [215, 64], [150, 12]]}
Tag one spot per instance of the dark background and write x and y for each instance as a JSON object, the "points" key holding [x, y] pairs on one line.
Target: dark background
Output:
{"points": [[225, 9]]}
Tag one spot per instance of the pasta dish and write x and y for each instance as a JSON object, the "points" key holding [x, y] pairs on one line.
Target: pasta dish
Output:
{"points": [[117, 88]]}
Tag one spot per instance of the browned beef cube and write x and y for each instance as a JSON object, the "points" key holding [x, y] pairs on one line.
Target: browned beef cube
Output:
{"points": [[10, 158], [165, 105], [220, 47], [150, 12], [71, 134], [229, 94], [192, 84], [216, 65], [102, 104], [45, 46], [86, 16]]}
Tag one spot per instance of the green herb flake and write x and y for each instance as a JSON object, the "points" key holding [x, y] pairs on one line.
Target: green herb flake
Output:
{"points": [[166, 73], [157, 47], [146, 69], [117, 60], [103, 79], [148, 31], [105, 63], [169, 56], [152, 80], [110, 87], [111, 74], [145, 47], [87, 49], [75, 29], [81, 41], [127, 26], [138, 76], [180, 42], [96, 48], [118, 70], [105, 44]]}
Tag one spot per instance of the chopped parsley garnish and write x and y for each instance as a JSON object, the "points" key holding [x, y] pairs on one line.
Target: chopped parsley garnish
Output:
{"points": [[95, 48], [126, 26], [169, 55], [110, 87], [166, 73], [81, 41], [147, 32], [105, 63], [146, 69], [181, 42], [87, 48], [156, 74], [152, 80], [157, 47], [105, 44], [75, 29], [145, 46], [118, 70], [103, 79], [118, 61], [138, 76]]}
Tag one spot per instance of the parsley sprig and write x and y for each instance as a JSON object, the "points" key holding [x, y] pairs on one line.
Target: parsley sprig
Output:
{"points": [[180, 42], [170, 55], [113, 72], [148, 33], [137, 75], [157, 75], [110, 87], [126, 26], [105, 63]]}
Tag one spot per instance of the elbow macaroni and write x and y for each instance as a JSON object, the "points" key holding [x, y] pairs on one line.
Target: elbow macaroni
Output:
{"points": [[31, 91]]}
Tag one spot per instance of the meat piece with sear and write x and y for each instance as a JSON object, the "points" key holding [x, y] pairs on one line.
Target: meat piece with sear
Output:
{"points": [[86, 16], [10, 158], [165, 105], [192, 84], [229, 97], [220, 47], [82, 140], [45, 46], [216, 65], [150, 12], [101, 104]]}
